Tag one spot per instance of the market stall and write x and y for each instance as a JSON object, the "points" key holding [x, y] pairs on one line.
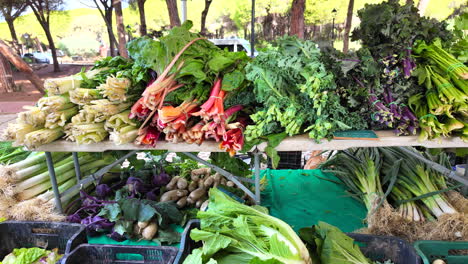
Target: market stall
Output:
{"points": [[180, 93]]}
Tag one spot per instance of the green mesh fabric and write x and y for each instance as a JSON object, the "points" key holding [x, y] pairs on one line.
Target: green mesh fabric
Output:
{"points": [[303, 197]]}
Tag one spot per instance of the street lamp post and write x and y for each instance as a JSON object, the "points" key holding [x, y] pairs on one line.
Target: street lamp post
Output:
{"points": [[334, 11]]}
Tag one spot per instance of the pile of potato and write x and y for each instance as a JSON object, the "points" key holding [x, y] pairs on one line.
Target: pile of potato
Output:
{"points": [[193, 192]]}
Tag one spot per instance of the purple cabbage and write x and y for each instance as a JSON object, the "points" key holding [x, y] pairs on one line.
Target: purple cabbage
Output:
{"points": [[103, 191], [153, 194], [161, 179]]}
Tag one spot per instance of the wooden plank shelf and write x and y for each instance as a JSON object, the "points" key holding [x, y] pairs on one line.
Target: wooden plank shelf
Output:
{"points": [[296, 143]]}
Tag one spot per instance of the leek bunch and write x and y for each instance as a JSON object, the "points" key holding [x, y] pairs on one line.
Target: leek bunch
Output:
{"points": [[82, 96], [55, 103], [34, 117], [122, 129], [60, 118], [17, 132], [86, 133], [64, 85], [99, 111], [42, 136], [115, 89]]}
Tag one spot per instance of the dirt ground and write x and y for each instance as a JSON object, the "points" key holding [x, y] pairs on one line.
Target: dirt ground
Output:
{"points": [[27, 91]]}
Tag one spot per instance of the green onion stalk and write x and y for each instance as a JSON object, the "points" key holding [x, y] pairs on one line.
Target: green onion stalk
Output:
{"points": [[419, 180], [82, 96], [360, 173], [60, 118], [38, 201], [86, 133]]}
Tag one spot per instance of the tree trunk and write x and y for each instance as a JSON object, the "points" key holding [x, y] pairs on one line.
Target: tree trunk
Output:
{"points": [[349, 20], [204, 14], [51, 46], [297, 18], [6, 75], [173, 13], [110, 32], [141, 9], [11, 26], [422, 6], [22, 66], [120, 27]]}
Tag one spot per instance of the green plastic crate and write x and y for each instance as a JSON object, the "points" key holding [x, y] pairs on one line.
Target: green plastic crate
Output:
{"points": [[430, 250]]}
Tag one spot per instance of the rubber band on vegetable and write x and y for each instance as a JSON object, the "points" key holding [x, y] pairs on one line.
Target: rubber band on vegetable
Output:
{"points": [[454, 66], [428, 115], [376, 101]]}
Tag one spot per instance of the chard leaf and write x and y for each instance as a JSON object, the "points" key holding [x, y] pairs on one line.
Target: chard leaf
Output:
{"points": [[220, 62], [233, 80]]}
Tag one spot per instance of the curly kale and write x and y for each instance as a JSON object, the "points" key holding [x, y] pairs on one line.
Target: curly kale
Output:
{"points": [[297, 93]]}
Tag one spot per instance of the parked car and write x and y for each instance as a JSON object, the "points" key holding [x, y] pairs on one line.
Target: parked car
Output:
{"points": [[234, 44], [38, 57]]}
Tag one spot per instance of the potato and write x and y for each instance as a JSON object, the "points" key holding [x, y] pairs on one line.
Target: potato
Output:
{"points": [[182, 193], [230, 184], [182, 202], [201, 171], [208, 182], [173, 183], [190, 201], [192, 186], [142, 225], [217, 179], [170, 196], [438, 261], [150, 231], [197, 194], [182, 184]]}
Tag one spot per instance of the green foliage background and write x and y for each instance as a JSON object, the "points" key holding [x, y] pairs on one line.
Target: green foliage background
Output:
{"points": [[87, 24]]}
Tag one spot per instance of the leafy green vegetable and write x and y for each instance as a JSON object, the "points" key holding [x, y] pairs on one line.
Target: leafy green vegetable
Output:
{"points": [[233, 165], [32, 256], [331, 245], [197, 68], [297, 93], [233, 230]]}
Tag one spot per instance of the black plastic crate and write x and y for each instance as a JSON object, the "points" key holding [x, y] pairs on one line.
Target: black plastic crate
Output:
{"points": [[377, 248], [103, 254], [187, 245], [381, 248], [63, 236]]}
